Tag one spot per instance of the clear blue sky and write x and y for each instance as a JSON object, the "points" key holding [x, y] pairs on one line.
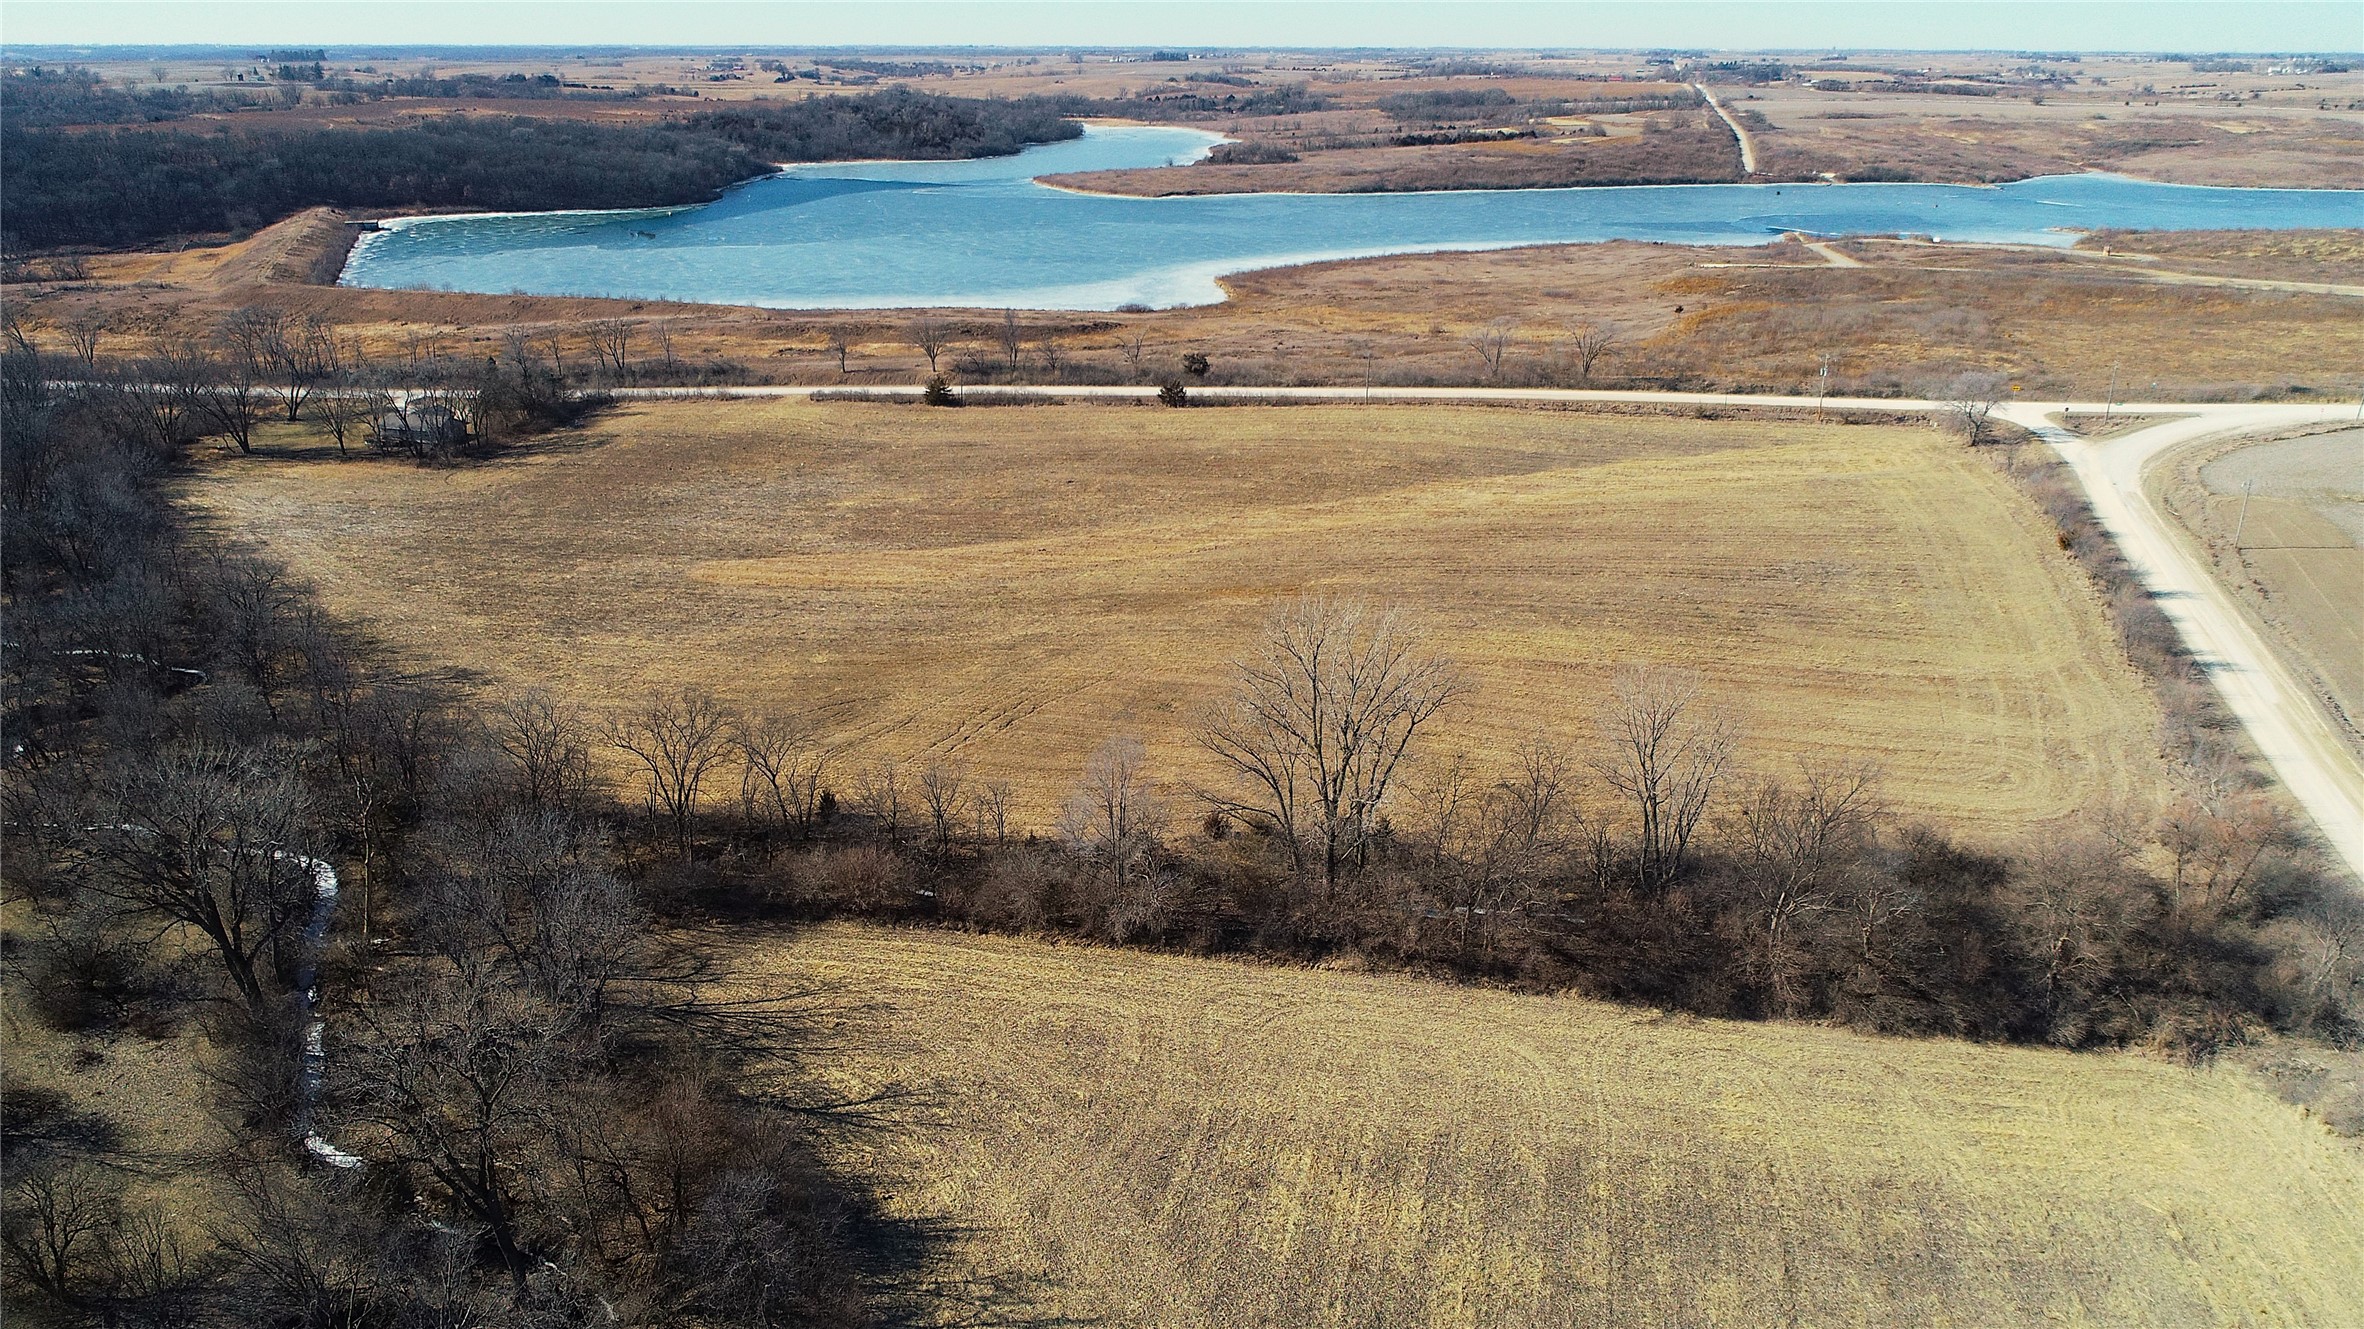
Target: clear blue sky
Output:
{"points": [[2158, 25]]}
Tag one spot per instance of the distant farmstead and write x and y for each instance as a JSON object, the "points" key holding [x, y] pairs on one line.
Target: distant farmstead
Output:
{"points": [[423, 426]]}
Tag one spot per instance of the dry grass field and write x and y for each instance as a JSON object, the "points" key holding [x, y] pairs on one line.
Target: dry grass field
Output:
{"points": [[1134, 1140], [2059, 321], [1010, 586], [2200, 137], [147, 1094]]}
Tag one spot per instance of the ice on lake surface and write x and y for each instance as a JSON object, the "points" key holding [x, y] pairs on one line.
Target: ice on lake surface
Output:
{"points": [[870, 235]]}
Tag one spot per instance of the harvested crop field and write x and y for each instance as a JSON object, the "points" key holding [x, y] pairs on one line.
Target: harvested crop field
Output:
{"points": [[1128, 1139], [1010, 586], [2284, 524]]}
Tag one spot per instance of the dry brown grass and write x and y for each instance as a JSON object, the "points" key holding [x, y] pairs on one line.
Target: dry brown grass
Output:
{"points": [[1010, 586], [1132, 1139], [2058, 321], [1942, 138], [2307, 256], [1680, 147], [150, 1089]]}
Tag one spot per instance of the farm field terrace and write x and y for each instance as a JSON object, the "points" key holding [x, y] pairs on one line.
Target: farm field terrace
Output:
{"points": [[1008, 587], [1129, 1139]]}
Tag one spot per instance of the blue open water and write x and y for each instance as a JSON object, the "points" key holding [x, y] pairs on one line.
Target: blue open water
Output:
{"points": [[869, 235]]}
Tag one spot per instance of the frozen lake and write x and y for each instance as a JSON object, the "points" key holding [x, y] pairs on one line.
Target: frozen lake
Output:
{"points": [[871, 235]]}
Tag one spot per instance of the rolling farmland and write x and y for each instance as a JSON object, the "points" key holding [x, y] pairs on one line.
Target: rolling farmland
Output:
{"points": [[1134, 1139], [1007, 587]]}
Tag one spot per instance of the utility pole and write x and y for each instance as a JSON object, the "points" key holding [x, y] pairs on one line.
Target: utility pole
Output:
{"points": [[1823, 392], [2247, 487], [2110, 400]]}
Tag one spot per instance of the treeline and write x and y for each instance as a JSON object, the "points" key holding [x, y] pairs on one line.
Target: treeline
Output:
{"points": [[459, 1076], [488, 87], [1176, 101], [894, 123], [1447, 103], [1636, 861], [42, 96], [1494, 105], [113, 187]]}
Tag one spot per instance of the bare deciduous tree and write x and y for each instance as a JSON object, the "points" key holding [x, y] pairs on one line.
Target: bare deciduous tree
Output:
{"points": [[84, 330], [17, 326], [677, 739], [1589, 344], [463, 1080], [1491, 344], [1970, 401], [1012, 338], [62, 1215], [1322, 710], [1487, 847], [550, 744], [1797, 844], [1115, 817], [2217, 850], [167, 395], [942, 787], [879, 792], [1667, 751], [1134, 347], [554, 342], [841, 345], [198, 837], [533, 892], [992, 804], [782, 770], [2075, 898], [297, 351], [233, 397], [929, 335], [346, 401], [663, 330], [611, 344]]}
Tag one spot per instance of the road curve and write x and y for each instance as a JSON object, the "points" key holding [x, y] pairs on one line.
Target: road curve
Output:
{"points": [[2290, 728]]}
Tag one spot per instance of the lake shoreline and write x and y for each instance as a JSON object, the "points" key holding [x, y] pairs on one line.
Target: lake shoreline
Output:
{"points": [[1008, 232]]}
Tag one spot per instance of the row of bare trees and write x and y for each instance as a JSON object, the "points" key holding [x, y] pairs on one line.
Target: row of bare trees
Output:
{"points": [[1581, 349], [1798, 888], [1640, 859]]}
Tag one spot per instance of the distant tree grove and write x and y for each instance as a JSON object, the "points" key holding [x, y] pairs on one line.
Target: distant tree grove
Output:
{"points": [[98, 187]]}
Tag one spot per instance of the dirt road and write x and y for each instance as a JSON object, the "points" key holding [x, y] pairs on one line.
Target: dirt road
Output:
{"points": [[2280, 712], [1748, 146]]}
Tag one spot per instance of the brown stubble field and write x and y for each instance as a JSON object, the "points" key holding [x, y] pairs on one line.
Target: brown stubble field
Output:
{"points": [[1009, 587], [1132, 1139], [2282, 521]]}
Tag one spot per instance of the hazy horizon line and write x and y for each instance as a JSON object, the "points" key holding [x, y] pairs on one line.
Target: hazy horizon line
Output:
{"points": [[2096, 27]]}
